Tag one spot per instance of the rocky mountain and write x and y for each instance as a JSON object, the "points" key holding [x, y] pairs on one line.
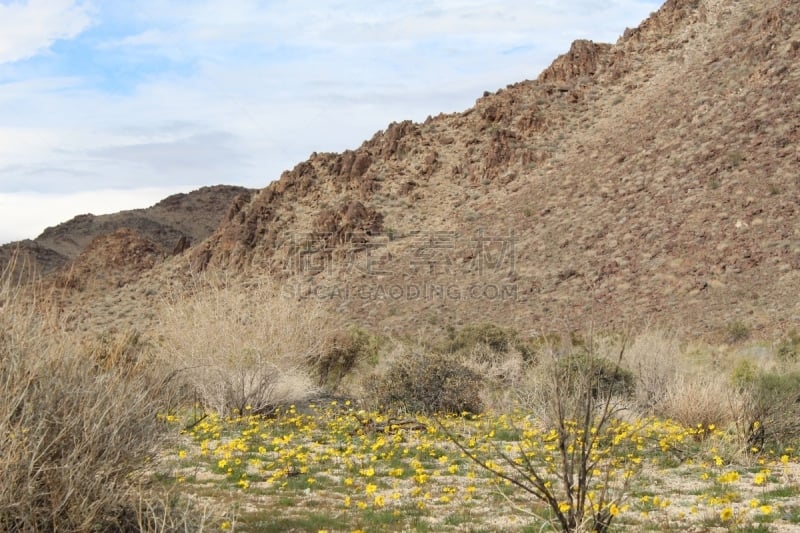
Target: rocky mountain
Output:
{"points": [[656, 179], [170, 226]]}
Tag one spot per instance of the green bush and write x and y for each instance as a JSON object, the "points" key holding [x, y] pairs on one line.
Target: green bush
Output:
{"points": [[499, 339], [430, 383], [775, 409], [789, 349], [744, 374], [738, 331], [346, 350], [602, 376]]}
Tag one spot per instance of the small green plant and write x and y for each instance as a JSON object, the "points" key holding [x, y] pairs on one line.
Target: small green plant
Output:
{"points": [[789, 349], [737, 331], [735, 159], [499, 339], [744, 374]]}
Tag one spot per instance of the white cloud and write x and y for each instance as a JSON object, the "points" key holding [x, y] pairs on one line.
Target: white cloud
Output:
{"points": [[27, 28], [25, 215]]}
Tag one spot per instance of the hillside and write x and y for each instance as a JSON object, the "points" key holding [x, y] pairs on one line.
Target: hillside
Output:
{"points": [[651, 180]]}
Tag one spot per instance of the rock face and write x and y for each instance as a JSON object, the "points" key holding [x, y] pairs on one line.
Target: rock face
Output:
{"points": [[652, 180]]}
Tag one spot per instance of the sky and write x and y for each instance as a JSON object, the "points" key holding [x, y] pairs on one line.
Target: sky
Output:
{"points": [[114, 104]]}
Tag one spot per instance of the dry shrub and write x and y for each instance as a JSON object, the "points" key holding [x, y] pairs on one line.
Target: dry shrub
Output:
{"points": [[502, 373], [657, 361], [694, 399], [74, 436], [243, 347], [429, 383]]}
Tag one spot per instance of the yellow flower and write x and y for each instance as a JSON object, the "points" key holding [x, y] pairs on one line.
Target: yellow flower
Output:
{"points": [[765, 509], [760, 478], [348, 481], [182, 454], [370, 488], [726, 514], [379, 501], [784, 459], [564, 507], [347, 501], [613, 510], [225, 525]]}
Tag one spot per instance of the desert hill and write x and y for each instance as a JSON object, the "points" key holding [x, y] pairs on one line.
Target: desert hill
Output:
{"points": [[172, 225], [656, 179]]}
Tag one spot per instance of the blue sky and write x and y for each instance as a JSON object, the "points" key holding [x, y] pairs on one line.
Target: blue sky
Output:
{"points": [[107, 105]]}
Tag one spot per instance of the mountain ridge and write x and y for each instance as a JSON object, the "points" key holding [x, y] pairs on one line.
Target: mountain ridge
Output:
{"points": [[171, 224]]}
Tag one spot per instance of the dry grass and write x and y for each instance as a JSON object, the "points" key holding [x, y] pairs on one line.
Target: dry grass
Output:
{"points": [[75, 435], [243, 348]]}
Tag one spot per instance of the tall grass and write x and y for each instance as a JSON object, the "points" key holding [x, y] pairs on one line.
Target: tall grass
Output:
{"points": [[75, 436]]}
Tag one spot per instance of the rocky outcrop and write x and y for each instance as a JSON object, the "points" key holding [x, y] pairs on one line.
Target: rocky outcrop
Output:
{"points": [[584, 59]]}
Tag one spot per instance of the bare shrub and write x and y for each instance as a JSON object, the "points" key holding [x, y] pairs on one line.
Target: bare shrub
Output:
{"points": [[656, 360], [74, 435], [241, 347], [579, 406], [701, 399], [502, 372]]}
